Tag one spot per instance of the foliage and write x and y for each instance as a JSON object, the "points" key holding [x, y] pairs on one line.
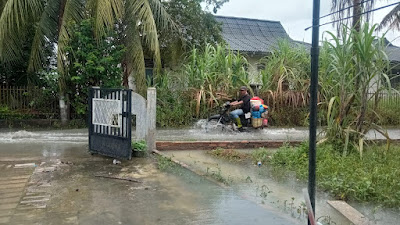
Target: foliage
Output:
{"points": [[8, 114], [228, 154], [92, 63], [207, 78], [359, 11], [196, 28], [286, 68], [136, 22], [261, 155], [391, 20], [164, 163], [374, 178], [357, 63], [139, 146], [285, 81], [387, 112]]}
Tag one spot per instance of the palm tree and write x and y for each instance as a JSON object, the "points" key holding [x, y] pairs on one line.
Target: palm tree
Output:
{"points": [[138, 20], [392, 19], [354, 8]]}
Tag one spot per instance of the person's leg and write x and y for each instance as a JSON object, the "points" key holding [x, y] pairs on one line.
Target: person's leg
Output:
{"points": [[235, 115]]}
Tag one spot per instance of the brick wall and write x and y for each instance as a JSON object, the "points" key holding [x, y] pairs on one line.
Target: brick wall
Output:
{"points": [[209, 145]]}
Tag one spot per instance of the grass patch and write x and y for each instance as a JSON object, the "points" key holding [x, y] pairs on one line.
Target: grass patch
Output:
{"points": [[261, 155], [218, 176], [228, 154], [165, 163], [374, 178]]}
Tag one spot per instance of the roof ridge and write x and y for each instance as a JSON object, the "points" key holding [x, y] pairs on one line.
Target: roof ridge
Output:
{"points": [[243, 18]]}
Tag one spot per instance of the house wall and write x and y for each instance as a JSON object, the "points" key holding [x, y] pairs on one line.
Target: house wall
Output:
{"points": [[254, 75]]}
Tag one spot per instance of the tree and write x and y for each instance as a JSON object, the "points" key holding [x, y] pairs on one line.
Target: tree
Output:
{"points": [[137, 20], [197, 27], [91, 63], [391, 20], [353, 8]]}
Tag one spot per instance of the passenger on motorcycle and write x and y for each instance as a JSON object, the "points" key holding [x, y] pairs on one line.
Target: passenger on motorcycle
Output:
{"points": [[244, 101]]}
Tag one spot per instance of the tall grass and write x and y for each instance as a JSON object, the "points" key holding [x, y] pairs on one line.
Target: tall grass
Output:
{"points": [[357, 62], [285, 82], [206, 79], [374, 178]]}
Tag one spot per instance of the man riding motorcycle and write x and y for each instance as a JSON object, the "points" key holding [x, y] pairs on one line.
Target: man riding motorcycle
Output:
{"points": [[244, 101]]}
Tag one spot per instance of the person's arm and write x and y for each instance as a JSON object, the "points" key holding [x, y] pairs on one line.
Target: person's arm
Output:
{"points": [[236, 103]]}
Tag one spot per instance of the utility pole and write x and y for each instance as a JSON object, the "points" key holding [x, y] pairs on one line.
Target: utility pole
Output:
{"points": [[312, 159]]}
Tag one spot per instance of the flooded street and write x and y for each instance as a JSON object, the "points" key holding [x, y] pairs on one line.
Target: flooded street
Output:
{"points": [[49, 177], [46, 181]]}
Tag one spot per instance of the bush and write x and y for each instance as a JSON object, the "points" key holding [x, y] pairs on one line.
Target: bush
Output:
{"points": [[375, 177]]}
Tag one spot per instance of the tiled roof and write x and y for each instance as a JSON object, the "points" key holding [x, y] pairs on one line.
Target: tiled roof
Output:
{"points": [[252, 35], [393, 53]]}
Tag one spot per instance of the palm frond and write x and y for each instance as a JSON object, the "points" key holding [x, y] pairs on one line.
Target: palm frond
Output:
{"points": [[142, 11], [134, 58], [161, 16], [15, 16], [391, 20], [105, 14], [45, 32], [72, 11]]}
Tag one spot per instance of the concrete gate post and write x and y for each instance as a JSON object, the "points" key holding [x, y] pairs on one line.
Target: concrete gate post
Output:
{"points": [[139, 108], [151, 119]]}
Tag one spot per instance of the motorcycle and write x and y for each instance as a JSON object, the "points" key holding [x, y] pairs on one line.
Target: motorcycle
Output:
{"points": [[223, 119]]}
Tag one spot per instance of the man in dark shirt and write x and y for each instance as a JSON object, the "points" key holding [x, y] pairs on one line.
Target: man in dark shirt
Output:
{"points": [[244, 101]]}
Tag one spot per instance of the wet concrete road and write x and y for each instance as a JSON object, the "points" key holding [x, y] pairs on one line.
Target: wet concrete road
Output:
{"points": [[63, 188], [196, 133]]}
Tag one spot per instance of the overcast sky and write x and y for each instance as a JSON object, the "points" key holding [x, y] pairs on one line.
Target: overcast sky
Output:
{"points": [[296, 15]]}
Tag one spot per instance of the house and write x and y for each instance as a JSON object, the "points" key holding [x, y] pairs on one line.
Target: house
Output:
{"points": [[393, 54], [254, 38], [257, 38]]}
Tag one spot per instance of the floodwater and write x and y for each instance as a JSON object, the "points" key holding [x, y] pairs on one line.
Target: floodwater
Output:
{"points": [[75, 195], [200, 131], [67, 185], [276, 189]]}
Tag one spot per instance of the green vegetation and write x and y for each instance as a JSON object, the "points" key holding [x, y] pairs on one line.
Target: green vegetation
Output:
{"points": [[218, 176], [208, 78], [165, 163], [139, 146], [93, 63], [261, 155], [228, 154], [375, 177]]}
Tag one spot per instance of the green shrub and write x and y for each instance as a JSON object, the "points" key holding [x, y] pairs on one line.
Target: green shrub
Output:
{"points": [[261, 155], [375, 177], [229, 154], [139, 146]]}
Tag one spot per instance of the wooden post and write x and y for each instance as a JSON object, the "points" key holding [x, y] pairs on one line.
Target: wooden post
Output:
{"points": [[151, 119]]}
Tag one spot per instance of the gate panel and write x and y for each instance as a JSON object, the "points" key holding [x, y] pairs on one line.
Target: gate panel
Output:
{"points": [[110, 122]]}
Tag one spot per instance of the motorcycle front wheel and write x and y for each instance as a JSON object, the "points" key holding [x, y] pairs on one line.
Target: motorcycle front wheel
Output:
{"points": [[214, 124]]}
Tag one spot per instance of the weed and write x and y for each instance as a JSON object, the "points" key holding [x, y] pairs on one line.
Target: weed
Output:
{"points": [[261, 155], [218, 176], [165, 163], [374, 178], [228, 154], [139, 146], [249, 180]]}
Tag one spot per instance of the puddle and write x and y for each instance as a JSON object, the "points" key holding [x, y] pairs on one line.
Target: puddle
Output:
{"points": [[258, 185], [175, 197]]}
